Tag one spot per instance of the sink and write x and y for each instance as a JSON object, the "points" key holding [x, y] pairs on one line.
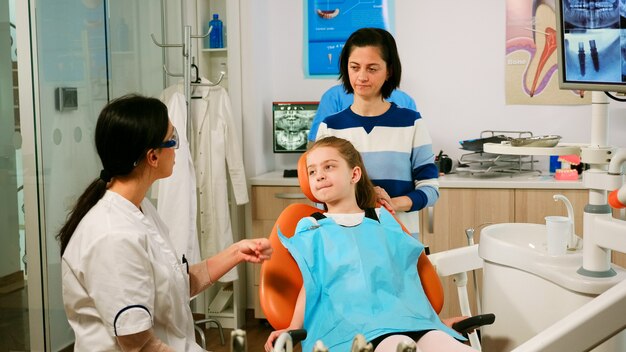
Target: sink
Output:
{"points": [[528, 240], [529, 290], [524, 246]]}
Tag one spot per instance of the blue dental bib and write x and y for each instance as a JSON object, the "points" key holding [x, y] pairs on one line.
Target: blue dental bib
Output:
{"points": [[360, 280]]}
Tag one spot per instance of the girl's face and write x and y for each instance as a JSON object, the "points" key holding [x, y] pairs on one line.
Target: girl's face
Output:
{"points": [[332, 181], [367, 71]]}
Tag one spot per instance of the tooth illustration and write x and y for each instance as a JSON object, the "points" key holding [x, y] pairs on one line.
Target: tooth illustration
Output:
{"points": [[328, 14], [543, 62]]}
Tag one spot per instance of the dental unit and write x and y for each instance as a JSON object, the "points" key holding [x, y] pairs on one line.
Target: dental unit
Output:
{"points": [[602, 318]]}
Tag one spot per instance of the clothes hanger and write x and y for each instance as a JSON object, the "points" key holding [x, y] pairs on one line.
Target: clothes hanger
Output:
{"points": [[195, 72]]}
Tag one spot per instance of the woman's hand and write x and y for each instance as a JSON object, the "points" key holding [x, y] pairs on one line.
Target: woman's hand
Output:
{"points": [[449, 321], [384, 199], [269, 344], [255, 250]]}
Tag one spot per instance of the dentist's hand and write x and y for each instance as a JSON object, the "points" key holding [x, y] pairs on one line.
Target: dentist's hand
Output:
{"points": [[255, 250]]}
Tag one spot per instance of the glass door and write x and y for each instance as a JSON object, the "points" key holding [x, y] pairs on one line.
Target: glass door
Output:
{"points": [[71, 84], [76, 56], [14, 322], [136, 63]]}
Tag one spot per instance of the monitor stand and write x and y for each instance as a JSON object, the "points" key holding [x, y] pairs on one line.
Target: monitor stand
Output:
{"points": [[290, 173]]}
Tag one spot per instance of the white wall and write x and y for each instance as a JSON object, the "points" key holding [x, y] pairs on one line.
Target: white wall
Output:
{"points": [[453, 56]]}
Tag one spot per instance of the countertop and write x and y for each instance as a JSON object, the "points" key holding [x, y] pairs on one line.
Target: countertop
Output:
{"points": [[529, 181]]}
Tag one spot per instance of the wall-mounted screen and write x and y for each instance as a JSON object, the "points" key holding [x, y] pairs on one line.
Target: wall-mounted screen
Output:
{"points": [[291, 124], [591, 44]]}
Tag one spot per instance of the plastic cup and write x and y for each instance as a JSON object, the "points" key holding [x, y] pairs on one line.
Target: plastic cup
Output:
{"points": [[559, 230]]}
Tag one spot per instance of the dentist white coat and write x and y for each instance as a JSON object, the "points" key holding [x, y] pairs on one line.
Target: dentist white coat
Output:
{"points": [[217, 156], [120, 262]]}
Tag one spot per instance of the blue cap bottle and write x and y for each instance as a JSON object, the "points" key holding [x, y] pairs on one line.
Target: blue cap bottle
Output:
{"points": [[216, 37]]}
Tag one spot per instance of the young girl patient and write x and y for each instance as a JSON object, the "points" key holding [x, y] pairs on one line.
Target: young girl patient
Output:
{"points": [[358, 266]]}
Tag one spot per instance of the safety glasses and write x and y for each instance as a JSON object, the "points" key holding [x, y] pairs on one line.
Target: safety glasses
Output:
{"points": [[171, 143]]}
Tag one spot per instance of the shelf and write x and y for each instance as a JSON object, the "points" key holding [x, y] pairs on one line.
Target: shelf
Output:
{"points": [[561, 149], [214, 50]]}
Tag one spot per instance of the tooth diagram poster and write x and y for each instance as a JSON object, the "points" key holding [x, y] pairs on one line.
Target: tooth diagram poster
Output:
{"points": [[329, 23], [531, 68]]}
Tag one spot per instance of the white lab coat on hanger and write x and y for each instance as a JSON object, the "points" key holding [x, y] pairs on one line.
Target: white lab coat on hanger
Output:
{"points": [[215, 149], [177, 200]]}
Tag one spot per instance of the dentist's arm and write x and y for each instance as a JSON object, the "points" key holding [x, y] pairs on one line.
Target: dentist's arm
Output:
{"points": [[204, 274], [144, 341]]}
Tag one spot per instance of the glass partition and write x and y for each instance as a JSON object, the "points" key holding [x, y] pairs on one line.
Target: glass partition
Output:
{"points": [[84, 53], [14, 333]]}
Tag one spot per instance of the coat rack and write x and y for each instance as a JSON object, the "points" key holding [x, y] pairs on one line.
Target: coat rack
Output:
{"points": [[187, 67], [187, 64]]}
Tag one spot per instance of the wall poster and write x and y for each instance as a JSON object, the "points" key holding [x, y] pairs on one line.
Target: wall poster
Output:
{"points": [[329, 23], [531, 67]]}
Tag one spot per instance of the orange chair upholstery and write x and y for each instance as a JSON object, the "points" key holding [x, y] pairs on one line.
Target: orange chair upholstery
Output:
{"points": [[281, 280]]}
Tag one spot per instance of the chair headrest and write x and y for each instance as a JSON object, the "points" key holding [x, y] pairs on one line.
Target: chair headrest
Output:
{"points": [[303, 179]]}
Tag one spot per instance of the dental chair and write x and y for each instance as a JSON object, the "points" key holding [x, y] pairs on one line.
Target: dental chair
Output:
{"points": [[281, 281]]}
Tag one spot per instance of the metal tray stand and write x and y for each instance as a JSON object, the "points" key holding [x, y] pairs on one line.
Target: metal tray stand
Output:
{"points": [[480, 163]]}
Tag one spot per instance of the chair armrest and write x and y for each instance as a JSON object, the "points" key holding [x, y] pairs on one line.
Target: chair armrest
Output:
{"points": [[457, 260], [468, 325], [288, 339], [297, 335]]}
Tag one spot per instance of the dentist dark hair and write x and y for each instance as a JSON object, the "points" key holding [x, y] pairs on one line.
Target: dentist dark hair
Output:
{"points": [[127, 128], [385, 42]]}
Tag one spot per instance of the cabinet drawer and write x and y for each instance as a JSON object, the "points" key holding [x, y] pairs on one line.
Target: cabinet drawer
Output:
{"points": [[269, 201]]}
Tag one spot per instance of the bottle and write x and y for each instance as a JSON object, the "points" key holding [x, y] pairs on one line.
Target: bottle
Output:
{"points": [[216, 37]]}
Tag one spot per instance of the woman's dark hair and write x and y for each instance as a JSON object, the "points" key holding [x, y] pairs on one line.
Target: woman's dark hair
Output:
{"points": [[365, 194], [384, 41], [127, 128]]}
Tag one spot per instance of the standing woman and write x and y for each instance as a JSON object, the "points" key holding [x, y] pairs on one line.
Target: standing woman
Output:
{"points": [[394, 142], [124, 287]]}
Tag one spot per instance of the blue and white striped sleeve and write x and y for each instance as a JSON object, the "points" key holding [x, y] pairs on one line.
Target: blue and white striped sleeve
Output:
{"points": [[423, 169]]}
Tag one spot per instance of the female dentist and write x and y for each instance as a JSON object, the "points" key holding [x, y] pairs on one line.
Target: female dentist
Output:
{"points": [[124, 287]]}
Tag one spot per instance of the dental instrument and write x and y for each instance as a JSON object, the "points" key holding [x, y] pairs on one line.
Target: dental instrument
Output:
{"points": [[283, 343], [319, 347], [238, 341], [469, 233], [406, 346], [360, 344]]}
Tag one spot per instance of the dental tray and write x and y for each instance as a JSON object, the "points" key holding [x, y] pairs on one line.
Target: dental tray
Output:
{"points": [[547, 141], [476, 145]]}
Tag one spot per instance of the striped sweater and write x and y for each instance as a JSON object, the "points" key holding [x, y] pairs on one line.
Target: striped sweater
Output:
{"points": [[396, 149]]}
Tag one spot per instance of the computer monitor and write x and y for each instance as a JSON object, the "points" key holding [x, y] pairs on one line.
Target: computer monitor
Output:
{"points": [[591, 49], [291, 122]]}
